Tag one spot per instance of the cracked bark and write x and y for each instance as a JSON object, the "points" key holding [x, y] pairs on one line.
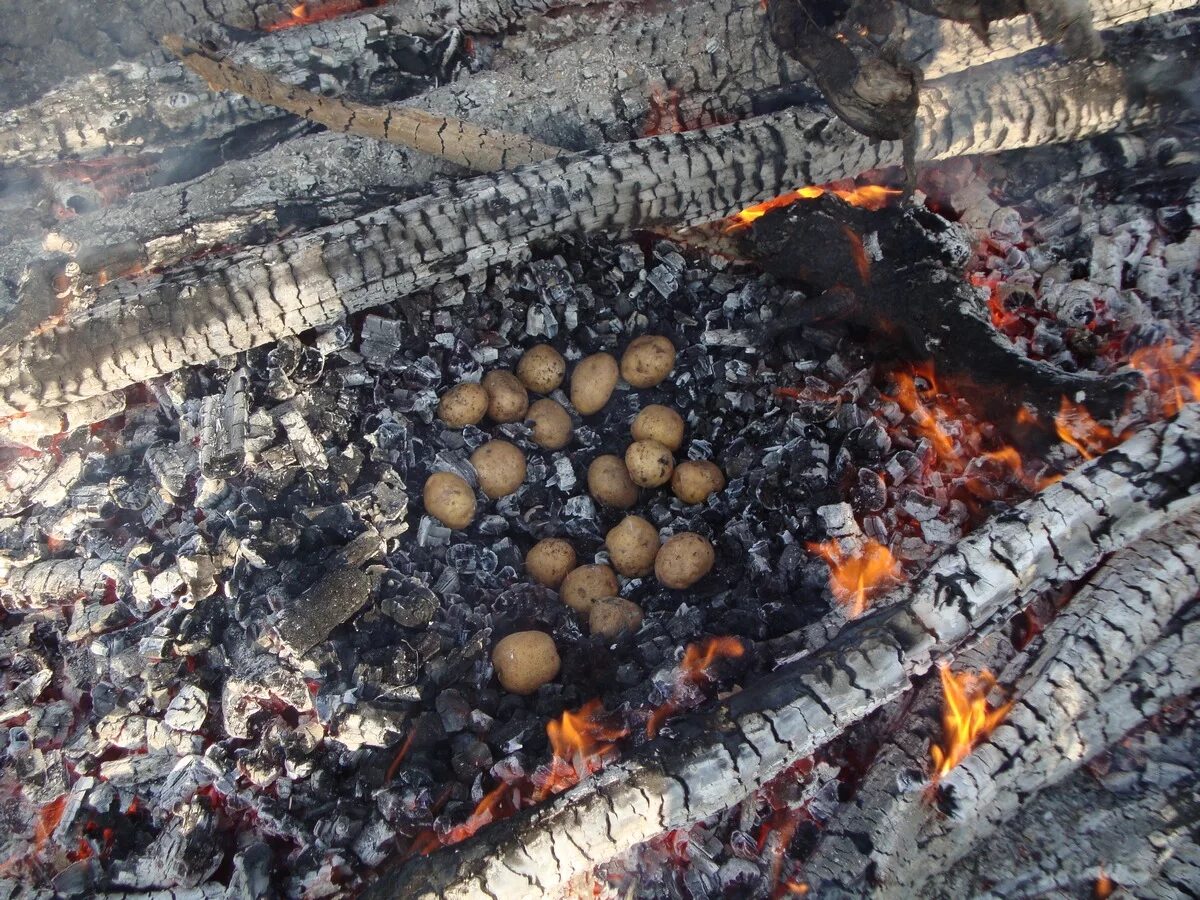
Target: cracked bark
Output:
{"points": [[228, 304], [1105, 664], [717, 758]]}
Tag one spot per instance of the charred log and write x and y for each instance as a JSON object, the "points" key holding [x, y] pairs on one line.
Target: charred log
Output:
{"points": [[229, 304], [901, 273], [1057, 536]]}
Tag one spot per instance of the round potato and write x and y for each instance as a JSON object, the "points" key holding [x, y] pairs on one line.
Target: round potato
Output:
{"points": [[525, 660], [649, 463], [500, 466], [464, 404], [584, 586], [449, 499], [549, 561], [507, 397], [683, 560], [695, 481], [541, 369], [551, 424], [632, 546], [612, 615], [659, 423], [648, 360], [592, 383], [609, 482]]}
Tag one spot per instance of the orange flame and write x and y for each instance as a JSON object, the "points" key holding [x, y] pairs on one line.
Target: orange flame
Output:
{"points": [[581, 745], [1075, 426], [851, 578], [967, 718], [859, 252], [302, 14], [924, 410], [696, 662], [1104, 887], [868, 196], [1168, 369]]}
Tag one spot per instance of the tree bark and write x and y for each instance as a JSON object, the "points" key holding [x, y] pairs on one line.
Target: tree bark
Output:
{"points": [[719, 758], [145, 327]]}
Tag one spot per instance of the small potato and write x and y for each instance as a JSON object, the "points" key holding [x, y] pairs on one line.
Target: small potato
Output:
{"points": [[507, 397], [659, 423], [551, 424], [463, 405], [632, 546], [449, 499], [695, 481], [592, 383], [501, 468], [525, 660], [683, 560], [584, 586], [541, 369], [612, 615], [549, 561], [609, 482], [649, 463], [648, 360]]}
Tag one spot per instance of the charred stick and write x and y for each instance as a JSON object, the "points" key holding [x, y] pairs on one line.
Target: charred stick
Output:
{"points": [[718, 758], [473, 147]]}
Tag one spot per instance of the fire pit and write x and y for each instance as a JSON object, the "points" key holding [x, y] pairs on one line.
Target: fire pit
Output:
{"points": [[561, 448]]}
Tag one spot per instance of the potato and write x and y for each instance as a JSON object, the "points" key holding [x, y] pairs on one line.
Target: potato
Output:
{"points": [[648, 360], [609, 482], [612, 615], [649, 463], [549, 561], [584, 586], [683, 560], [592, 383], [501, 468], [695, 480], [463, 405], [525, 660], [541, 369], [659, 423], [507, 398], [551, 424], [632, 546], [449, 499]]}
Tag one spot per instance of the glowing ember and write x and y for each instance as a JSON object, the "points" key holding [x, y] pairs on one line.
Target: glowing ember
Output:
{"points": [[853, 577], [1075, 426], [1104, 887], [967, 718], [923, 408], [306, 14], [868, 196], [1169, 372], [695, 665]]}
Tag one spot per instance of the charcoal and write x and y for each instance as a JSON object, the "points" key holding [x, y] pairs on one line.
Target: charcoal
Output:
{"points": [[454, 709], [307, 621]]}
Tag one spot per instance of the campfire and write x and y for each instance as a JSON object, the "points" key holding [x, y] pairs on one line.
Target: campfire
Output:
{"points": [[569, 447]]}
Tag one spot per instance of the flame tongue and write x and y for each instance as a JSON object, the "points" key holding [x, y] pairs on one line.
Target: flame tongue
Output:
{"points": [[868, 196], [967, 718], [852, 577]]}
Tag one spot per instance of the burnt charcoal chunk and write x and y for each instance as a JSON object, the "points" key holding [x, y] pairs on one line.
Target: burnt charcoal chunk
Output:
{"points": [[471, 755], [330, 602], [454, 709], [869, 493]]}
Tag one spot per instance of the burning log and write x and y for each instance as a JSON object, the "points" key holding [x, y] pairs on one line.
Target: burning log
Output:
{"points": [[229, 304], [1103, 666], [1057, 536], [919, 299]]}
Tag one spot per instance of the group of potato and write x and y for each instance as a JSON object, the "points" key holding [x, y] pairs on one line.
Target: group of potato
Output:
{"points": [[526, 660]]}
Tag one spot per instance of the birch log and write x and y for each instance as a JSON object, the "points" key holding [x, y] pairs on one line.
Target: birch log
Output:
{"points": [[149, 326], [715, 761]]}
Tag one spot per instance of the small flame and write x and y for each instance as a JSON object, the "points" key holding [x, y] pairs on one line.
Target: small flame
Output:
{"points": [[868, 196], [853, 577], [1076, 426], [1168, 369], [967, 718], [581, 745], [859, 252], [302, 14], [1104, 887], [924, 410], [697, 660]]}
